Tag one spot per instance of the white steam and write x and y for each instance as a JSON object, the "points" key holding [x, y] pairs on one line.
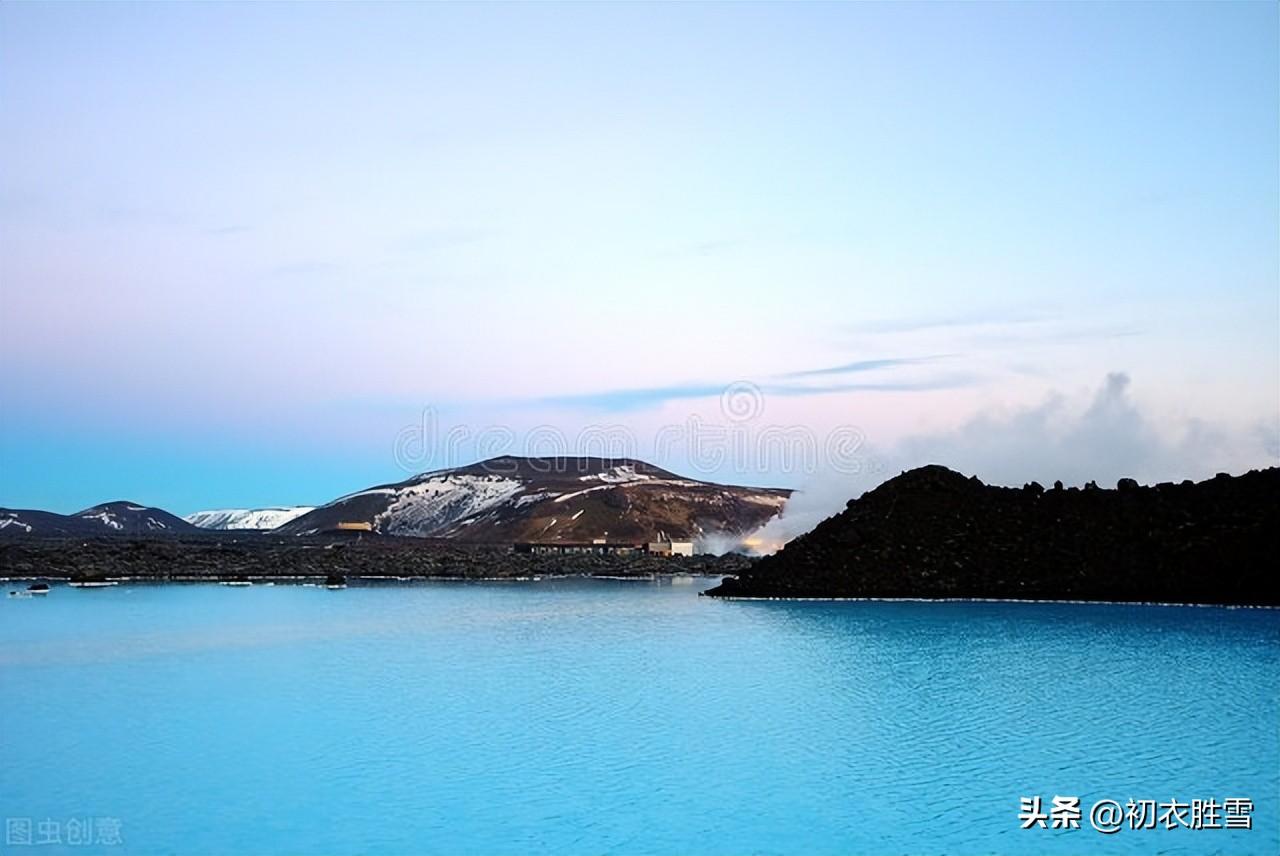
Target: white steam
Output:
{"points": [[1108, 440]]}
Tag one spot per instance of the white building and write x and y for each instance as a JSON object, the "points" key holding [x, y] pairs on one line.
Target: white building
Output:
{"points": [[670, 548]]}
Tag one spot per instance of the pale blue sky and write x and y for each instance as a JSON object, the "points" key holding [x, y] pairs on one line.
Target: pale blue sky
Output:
{"points": [[243, 245]]}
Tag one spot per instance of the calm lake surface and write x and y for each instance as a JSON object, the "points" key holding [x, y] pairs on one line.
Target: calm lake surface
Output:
{"points": [[620, 717]]}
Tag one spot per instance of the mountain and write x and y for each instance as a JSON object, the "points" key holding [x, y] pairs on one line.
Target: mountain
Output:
{"points": [[129, 518], [120, 517], [933, 533], [25, 521], [510, 499], [246, 518]]}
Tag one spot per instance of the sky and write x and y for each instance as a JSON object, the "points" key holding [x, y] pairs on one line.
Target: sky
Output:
{"points": [[266, 254]]}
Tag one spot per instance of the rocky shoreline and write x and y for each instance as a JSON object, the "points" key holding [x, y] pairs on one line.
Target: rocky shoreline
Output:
{"points": [[935, 534], [239, 556]]}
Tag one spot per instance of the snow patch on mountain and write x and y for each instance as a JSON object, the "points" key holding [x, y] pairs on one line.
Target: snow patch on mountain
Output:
{"points": [[617, 475], [430, 506], [577, 493], [246, 518], [106, 517]]}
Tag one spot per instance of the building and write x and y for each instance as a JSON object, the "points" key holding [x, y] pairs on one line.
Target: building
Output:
{"points": [[669, 548], [355, 526]]}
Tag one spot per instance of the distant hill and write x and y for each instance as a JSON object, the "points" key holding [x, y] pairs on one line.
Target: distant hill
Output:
{"points": [[934, 533], [110, 518], [501, 500], [130, 518], [246, 518], [510, 499], [26, 521]]}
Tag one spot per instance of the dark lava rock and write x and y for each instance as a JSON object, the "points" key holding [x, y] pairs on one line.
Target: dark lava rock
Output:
{"points": [[933, 533], [215, 556]]}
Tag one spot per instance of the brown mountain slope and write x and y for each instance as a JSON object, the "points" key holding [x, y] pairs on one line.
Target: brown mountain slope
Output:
{"points": [[510, 499]]}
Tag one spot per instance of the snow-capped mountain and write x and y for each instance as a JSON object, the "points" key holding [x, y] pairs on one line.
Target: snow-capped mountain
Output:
{"points": [[551, 499], [110, 518], [246, 518], [502, 500]]}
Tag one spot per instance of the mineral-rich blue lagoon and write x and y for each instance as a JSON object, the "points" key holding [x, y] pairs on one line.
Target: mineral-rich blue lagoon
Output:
{"points": [[591, 717]]}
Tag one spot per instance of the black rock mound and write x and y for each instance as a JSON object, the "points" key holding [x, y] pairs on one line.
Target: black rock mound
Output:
{"points": [[934, 533]]}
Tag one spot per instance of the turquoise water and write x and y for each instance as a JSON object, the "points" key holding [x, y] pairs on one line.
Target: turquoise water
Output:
{"points": [[613, 717]]}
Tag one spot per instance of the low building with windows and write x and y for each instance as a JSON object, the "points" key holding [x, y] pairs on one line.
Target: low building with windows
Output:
{"points": [[669, 548]]}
